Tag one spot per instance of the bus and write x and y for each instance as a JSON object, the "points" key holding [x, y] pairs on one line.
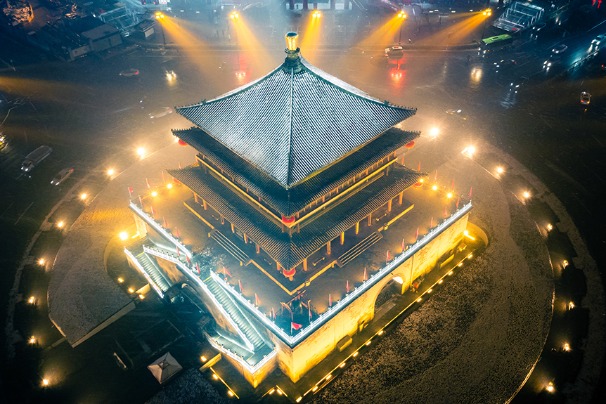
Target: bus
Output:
{"points": [[495, 43]]}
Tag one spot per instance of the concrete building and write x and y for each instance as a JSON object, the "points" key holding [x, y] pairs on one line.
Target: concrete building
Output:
{"points": [[297, 213]]}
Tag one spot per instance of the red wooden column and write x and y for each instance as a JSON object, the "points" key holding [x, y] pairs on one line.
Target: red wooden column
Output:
{"points": [[370, 220], [342, 237], [305, 264], [389, 206], [328, 249], [401, 197], [357, 228]]}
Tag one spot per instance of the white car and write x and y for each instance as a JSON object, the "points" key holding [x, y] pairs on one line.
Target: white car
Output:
{"points": [[598, 40], [394, 52], [62, 176], [161, 112]]}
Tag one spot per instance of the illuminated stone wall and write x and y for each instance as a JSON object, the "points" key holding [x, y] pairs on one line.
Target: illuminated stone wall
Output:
{"points": [[297, 361]]}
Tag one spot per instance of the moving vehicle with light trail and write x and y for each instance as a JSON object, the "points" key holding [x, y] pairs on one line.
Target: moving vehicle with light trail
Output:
{"points": [[62, 176], [495, 44], [35, 158]]}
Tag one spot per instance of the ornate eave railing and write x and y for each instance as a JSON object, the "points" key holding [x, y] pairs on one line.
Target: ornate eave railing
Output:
{"points": [[293, 340]]}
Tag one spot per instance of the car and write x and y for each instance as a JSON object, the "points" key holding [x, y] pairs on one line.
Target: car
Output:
{"points": [[132, 72], [558, 50], [538, 30], [2, 141], [598, 40], [553, 61], [503, 64], [159, 113], [394, 52], [597, 43], [539, 27], [170, 75], [62, 176], [457, 113], [585, 98]]}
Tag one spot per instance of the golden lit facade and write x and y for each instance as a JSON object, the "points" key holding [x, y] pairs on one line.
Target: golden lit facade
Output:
{"points": [[305, 213]]}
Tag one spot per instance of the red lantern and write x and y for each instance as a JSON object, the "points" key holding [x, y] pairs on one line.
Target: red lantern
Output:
{"points": [[410, 144], [288, 219], [182, 142]]}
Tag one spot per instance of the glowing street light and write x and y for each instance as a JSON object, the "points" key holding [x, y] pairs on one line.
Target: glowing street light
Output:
{"points": [[434, 132], [131, 290], [154, 193], [60, 224], [169, 185], [41, 261], [434, 187], [566, 347], [549, 227], [141, 152], [120, 279], [550, 388], [110, 172], [32, 340], [469, 151], [449, 195], [45, 382], [83, 196], [31, 300], [500, 170], [123, 236], [570, 305]]}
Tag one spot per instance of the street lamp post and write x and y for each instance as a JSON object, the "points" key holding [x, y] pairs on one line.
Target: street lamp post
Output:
{"points": [[402, 15], [160, 16], [486, 13]]}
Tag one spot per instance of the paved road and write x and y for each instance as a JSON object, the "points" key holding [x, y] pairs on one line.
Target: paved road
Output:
{"points": [[91, 115]]}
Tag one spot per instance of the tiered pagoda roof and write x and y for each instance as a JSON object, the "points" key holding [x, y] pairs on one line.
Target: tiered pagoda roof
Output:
{"points": [[288, 201], [294, 122]]}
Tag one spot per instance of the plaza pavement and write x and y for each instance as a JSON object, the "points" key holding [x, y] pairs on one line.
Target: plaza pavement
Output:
{"points": [[474, 341]]}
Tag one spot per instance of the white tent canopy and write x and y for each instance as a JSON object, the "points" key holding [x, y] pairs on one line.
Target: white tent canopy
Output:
{"points": [[164, 367]]}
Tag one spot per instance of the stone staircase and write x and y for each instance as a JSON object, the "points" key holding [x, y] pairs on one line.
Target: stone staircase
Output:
{"points": [[236, 314], [359, 248], [155, 273], [230, 247]]}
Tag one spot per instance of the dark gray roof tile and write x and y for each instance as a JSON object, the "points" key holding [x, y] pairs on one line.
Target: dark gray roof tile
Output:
{"points": [[293, 122]]}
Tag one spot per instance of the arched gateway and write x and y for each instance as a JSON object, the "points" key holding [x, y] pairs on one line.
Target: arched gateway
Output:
{"points": [[300, 211]]}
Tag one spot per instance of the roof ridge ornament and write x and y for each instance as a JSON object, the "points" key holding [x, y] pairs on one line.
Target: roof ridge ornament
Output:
{"points": [[293, 53]]}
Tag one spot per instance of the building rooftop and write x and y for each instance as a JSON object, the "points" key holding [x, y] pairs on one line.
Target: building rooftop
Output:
{"points": [[304, 120], [288, 201]]}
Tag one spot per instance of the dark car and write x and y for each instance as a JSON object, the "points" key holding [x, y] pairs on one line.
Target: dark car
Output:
{"points": [[504, 65], [62, 176]]}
